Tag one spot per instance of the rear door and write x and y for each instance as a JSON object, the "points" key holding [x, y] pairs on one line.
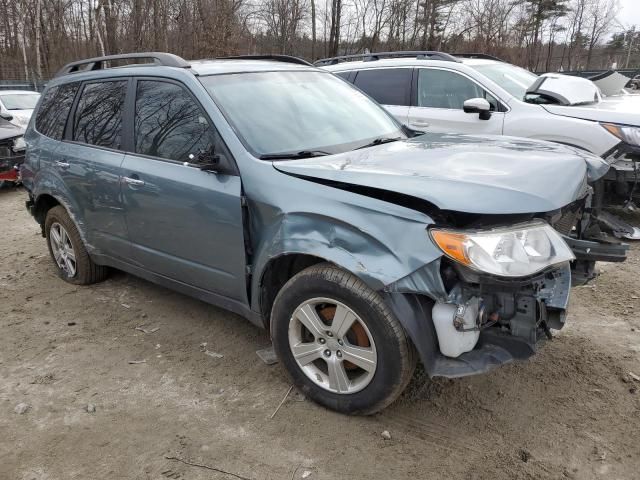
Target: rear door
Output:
{"points": [[184, 223], [89, 161], [439, 98], [390, 87]]}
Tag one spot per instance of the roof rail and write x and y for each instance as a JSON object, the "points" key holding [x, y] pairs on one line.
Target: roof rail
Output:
{"points": [[277, 58], [369, 57], [482, 56], [98, 63]]}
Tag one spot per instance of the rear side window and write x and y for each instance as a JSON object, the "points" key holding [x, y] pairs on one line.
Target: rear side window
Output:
{"points": [[54, 110], [98, 118], [170, 124], [388, 86]]}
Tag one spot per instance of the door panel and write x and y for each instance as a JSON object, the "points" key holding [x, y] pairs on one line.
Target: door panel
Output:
{"points": [[89, 163], [441, 94], [186, 224]]}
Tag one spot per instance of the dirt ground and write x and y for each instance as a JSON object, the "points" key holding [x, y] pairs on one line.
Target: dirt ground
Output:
{"points": [[571, 412]]}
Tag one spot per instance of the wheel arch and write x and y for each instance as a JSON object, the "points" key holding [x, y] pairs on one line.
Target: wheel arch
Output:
{"points": [[276, 273]]}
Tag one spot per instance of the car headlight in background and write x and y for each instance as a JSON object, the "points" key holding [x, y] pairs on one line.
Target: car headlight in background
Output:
{"points": [[630, 135], [507, 252], [19, 144]]}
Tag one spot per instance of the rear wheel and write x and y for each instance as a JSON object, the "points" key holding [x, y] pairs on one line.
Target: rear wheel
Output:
{"points": [[68, 252], [339, 341]]}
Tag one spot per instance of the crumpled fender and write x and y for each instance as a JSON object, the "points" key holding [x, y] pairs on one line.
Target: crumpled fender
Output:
{"points": [[375, 240]]}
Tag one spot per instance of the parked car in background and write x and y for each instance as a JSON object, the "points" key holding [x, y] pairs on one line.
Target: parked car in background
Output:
{"points": [[12, 148], [479, 94], [634, 84], [277, 191], [18, 104]]}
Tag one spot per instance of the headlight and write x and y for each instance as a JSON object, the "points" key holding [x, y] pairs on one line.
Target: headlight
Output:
{"points": [[19, 144], [507, 252], [630, 135]]}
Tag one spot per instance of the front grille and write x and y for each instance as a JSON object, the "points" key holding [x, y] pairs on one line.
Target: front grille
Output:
{"points": [[567, 217]]}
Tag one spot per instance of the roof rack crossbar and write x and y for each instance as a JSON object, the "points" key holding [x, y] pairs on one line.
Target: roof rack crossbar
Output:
{"points": [[98, 63], [277, 58], [480, 56], [370, 57]]}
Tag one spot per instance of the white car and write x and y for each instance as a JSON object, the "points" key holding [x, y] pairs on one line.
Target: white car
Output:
{"points": [[479, 94], [19, 105]]}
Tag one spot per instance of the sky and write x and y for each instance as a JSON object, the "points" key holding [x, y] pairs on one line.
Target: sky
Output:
{"points": [[629, 13]]}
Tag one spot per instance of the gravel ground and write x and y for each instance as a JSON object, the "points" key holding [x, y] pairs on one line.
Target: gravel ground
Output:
{"points": [[73, 406]]}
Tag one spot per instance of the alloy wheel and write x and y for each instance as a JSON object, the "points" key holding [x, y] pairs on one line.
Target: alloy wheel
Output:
{"points": [[332, 345], [62, 249]]}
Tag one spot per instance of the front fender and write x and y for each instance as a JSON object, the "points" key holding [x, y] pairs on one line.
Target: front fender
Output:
{"points": [[379, 254]]}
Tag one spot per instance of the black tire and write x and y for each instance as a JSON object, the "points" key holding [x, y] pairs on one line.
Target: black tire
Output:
{"points": [[396, 359], [87, 272]]}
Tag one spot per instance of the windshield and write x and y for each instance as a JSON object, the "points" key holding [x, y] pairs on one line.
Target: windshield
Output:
{"points": [[20, 101], [286, 112], [514, 80]]}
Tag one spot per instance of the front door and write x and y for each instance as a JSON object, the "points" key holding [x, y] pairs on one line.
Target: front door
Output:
{"points": [[441, 94], [184, 223]]}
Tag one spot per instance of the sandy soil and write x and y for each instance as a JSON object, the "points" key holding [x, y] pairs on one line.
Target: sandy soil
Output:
{"points": [[571, 412]]}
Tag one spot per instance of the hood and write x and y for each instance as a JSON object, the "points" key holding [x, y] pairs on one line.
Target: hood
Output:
{"points": [[9, 130], [21, 117], [464, 173], [621, 109], [565, 89]]}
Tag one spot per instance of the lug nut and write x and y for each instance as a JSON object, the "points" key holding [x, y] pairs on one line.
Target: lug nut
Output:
{"points": [[339, 354], [327, 353], [330, 334], [340, 342], [322, 340]]}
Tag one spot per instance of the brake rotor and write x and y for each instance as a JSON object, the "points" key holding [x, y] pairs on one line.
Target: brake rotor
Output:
{"points": [[356, 334]]}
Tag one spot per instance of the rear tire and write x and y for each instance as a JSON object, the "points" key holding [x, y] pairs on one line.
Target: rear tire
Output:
{"points": [[73, 263], [358, 358]]}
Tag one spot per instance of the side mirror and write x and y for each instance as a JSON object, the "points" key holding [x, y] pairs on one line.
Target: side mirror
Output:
{"points": [[6, 115], [478, 105], [206, 161]]}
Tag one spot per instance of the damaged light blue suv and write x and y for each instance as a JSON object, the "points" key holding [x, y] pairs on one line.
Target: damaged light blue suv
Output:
{"points": [[278, 191]]}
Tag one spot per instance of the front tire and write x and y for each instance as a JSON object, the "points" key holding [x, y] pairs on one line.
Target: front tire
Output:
{"points": [[339, 342], [68, 252]]}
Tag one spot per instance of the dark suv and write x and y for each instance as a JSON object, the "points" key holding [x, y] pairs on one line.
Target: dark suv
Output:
{"points": [[278, 191]]}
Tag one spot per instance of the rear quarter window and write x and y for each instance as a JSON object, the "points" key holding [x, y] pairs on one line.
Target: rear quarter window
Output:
{"points": [[54, 110], [388, 86]]}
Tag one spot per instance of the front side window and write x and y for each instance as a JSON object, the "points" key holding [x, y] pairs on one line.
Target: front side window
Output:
{"points": [[170, 124], [98, 118], [447, 89], [54, 110], [388, 86], [288, 111], [20, 101]]}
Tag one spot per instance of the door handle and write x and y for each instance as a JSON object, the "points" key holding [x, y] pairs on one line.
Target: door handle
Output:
{"points": [[134, 182], [62, 165], [419, 123]]}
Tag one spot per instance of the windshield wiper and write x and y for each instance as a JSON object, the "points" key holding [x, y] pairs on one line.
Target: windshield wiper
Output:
{"points": [[380, 141], [293, 155]]}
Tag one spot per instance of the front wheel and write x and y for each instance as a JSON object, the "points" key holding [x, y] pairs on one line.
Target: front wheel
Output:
{"points": [[339, 341]]}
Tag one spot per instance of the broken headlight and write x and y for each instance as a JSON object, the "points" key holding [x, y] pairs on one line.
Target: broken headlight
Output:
{"points": [[629, 135], [517, 251]]}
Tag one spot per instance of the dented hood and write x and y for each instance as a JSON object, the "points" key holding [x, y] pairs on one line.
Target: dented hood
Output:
{"points": [[474, 174]]}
